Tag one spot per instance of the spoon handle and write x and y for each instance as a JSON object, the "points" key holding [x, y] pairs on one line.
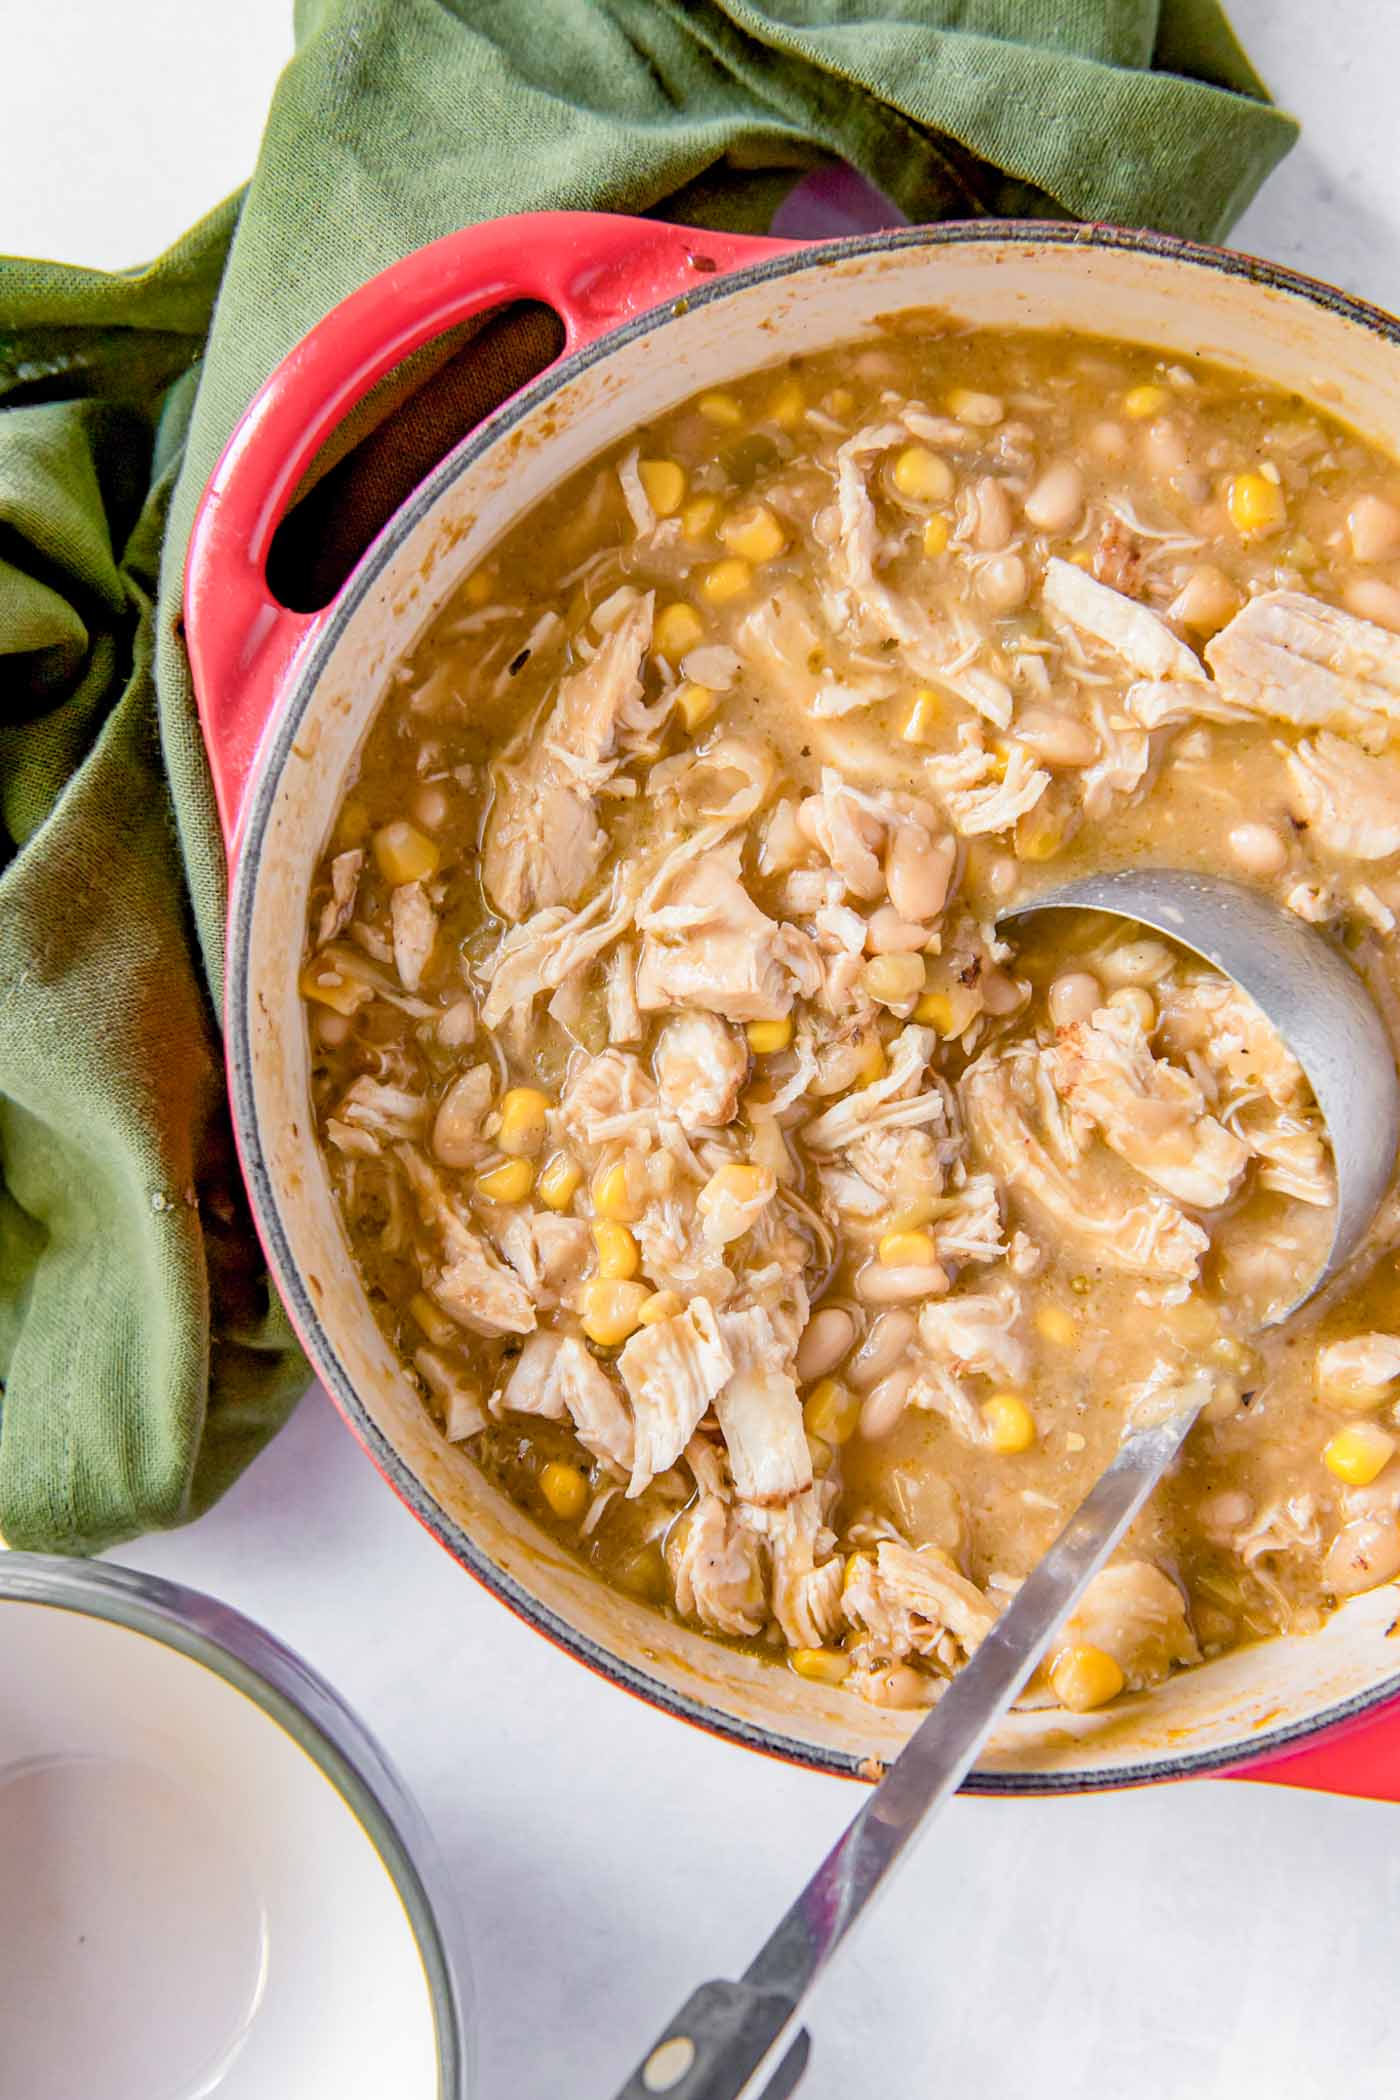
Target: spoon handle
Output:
{"points": [[729, 2038]]}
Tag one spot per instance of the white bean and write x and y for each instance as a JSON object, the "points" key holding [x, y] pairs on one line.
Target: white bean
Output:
{"points": [[1362, 1555], [333, 1029], [1205, 601], [1057, 500], [1109, 441], [984, 514], [826, 1338], [1056, 740], [1073, 996], [879, 1285], [1165, 447], [983, 411], [918, 870], [1000, 994], [884, 1403], [1137, 962], [1002, 584], [1373, 527], [886, 933], [1258, 848], [889, 1336], [1132, 999], [1000, 875], [1370, 599], [456, 1026], [430, 807]]}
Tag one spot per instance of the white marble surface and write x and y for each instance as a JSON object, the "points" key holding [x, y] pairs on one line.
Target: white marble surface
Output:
{"points": [[1189, 1943]]}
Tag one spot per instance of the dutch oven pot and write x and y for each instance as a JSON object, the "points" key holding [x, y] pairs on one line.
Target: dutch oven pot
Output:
{"points": [[651, 313]]}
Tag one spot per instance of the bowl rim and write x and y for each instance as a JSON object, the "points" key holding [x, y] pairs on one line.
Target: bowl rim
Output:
{"points": [[268, 768], [307, 1709]]}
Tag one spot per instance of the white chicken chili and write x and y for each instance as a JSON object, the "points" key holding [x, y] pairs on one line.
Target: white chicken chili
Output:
{"points": [[778, 1233]]}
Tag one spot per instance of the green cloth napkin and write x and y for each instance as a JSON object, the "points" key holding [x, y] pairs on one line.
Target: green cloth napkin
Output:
{"points": [[144, 1359]]}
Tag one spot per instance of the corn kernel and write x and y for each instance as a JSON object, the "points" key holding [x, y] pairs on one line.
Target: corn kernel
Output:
{"points": [[1010, 1424], [873, 1063], [565, 1489], [936, 536], [695, 704], [971, 407], [922, 476], [854, 1563], [1140, 402], [643, 1573], [1040, 833], [840, 401], [820, 1453], [1358, 1453], [664, 482], [523, 1112], [894, 980], [726, 580], [404, 853], [935, 1010], [698, 516], [479, 585], [831, 1411], [433, 1320], [352, 825], [617, 1251], [923, 717], [1256, 505], [907, 1250], [786, 405], [722, 409], [1083, 1678], [678, 628], [661, 1305], [820, 1665], [766, 1037], [728, 1195], [610, 1308], [754, 533], [1055, 1325], [559, 1181], [612, 1198], [511, 1182]]}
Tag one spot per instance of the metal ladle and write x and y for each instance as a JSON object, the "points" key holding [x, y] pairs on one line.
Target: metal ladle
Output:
{"points": [[744, 2041]]}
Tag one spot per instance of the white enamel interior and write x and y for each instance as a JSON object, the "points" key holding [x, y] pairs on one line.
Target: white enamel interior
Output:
{"points": [[1214, 1715], [194, 1907]]}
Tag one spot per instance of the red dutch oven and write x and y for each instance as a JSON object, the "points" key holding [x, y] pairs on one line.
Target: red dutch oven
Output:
{"points": [[650, 314]]}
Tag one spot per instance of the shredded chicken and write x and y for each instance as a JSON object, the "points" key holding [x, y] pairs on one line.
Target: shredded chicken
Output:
{"points": [[1136, 1614], [544, 842], [672, 1371], [707, 944], [1151, 1113], [1299, 660], [1350, 802], [717, 1569]]}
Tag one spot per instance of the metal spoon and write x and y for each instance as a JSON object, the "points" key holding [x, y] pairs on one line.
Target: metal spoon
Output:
{"points": [[743, 2041]]}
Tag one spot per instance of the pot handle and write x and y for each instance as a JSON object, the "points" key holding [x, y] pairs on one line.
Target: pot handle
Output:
{"points": [[594, 269], [1360, 1757]]}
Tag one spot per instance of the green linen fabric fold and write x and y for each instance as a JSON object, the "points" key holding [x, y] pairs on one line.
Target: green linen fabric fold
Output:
{"points": [[144, 1359]]}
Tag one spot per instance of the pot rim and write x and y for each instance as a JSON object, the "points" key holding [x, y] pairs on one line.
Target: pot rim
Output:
{"points": [[268, 768]]}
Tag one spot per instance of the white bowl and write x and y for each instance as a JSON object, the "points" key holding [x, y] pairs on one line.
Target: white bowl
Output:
{"points": [[214, 1881]]}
